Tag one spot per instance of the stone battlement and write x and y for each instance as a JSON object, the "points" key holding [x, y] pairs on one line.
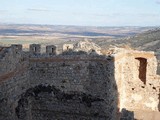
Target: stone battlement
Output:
{"points": [[52, 49]]}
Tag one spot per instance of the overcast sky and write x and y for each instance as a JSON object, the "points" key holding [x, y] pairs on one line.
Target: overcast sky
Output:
{"points": [[81, 12]]}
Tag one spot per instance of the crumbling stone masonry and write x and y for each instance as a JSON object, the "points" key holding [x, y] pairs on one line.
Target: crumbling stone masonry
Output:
{"points": [[76, 85]]}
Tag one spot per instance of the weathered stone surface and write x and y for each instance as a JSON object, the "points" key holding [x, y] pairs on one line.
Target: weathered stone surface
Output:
{"points": [[87, 46], [67, 47]]}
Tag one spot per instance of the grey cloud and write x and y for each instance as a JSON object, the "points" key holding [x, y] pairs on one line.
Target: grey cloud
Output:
{"points": [[38, 10], [120, 14], [96, 14], [110, 15], [149, 14], [134, 14]]}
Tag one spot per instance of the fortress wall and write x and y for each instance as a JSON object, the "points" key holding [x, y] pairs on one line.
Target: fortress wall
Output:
{"points": [[139, 82], [59, 71], [70, 70], [119, 78], [72, 85], [10, 92], [86, 86], [13, 80], [11, 58]]}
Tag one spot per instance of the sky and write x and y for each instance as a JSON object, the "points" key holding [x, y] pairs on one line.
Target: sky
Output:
{"points": [[81, 12]]}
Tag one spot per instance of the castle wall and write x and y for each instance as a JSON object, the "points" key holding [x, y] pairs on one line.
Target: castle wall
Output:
{"points": [[10, 93], [89, 81], [13, 80], [10, 58], [76, 85], [138, 82]]}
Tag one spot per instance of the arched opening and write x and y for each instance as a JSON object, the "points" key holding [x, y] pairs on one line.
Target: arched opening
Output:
{"points": [[142, 68]]}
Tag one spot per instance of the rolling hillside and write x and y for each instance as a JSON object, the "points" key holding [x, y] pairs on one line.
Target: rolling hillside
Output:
{"points": [[149, 40]]}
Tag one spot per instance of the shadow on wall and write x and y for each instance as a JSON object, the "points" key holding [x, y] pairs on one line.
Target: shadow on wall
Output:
{"points": [[98, 100]]}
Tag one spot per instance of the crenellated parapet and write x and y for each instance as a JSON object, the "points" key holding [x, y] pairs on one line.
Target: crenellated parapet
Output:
{"points": [[50, 50], [35, 49], [16, 49]]}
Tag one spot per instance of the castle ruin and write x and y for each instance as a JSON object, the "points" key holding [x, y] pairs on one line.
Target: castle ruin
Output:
{"points": [[78, 84]]}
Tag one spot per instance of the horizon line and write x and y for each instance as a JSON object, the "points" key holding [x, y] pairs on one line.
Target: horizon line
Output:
{"points": [[78, 25]]}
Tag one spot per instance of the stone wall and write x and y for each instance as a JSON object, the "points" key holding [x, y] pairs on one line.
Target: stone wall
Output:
{"points": [[13, 81], [86, 81], [10, 58], [137, 81], [76, 85], [46, 86]]}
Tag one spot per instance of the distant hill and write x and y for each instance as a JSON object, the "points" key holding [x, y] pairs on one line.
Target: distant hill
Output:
{"points": [[31, 30], [149, 40], [144, 38]]}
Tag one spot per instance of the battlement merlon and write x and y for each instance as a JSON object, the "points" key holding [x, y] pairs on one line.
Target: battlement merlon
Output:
{"points": [[35, 48], [51, 49], [16, 48], [67, 47]]}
